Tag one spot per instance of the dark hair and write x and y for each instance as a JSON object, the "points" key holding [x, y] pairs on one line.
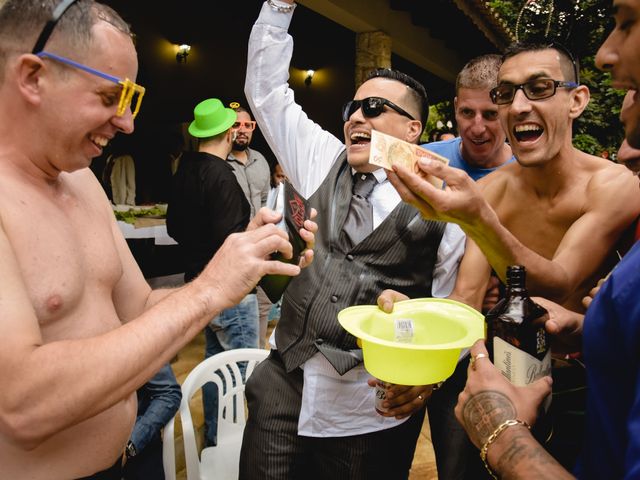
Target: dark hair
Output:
{"points": [[242, 109], [416, 91], [23, 20], [568, 63], [272, 172]]}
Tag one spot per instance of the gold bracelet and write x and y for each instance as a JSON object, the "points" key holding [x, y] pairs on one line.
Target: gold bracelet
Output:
{"points": [[494, 436]]}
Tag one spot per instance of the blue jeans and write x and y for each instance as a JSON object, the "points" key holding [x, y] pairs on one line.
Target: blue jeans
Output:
{"points": [[235, 327]]}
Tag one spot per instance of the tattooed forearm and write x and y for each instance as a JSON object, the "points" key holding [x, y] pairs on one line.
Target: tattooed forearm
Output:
{"points": [[524, 458], [484, 412]]}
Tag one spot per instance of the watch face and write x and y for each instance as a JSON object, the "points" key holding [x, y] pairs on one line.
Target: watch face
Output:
{"points": [[131, 449]]}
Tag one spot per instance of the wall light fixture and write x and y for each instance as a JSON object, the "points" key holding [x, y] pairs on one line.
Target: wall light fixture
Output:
{"points": [[309, 77], [183, 53]]}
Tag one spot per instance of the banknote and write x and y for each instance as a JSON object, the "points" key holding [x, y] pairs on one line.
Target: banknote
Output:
{"points": [[386, 151]]}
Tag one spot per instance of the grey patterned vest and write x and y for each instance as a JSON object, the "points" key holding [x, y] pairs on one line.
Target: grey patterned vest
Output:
{"points": [[399, 254]]}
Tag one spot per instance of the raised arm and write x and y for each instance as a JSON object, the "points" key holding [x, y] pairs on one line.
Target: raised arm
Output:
{"points": [[305, 151]]}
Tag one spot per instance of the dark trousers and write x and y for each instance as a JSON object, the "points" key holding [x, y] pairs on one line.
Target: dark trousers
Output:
{"points": [[147, 464], [456, 457], [272, 448], [112, 473]]}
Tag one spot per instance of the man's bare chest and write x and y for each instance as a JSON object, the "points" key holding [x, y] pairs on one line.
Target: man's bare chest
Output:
{"points": [[65, 256], [539, 224]]}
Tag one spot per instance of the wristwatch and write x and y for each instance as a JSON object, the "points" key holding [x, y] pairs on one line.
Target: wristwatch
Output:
{"points": [[130, 449], [281, 8]]}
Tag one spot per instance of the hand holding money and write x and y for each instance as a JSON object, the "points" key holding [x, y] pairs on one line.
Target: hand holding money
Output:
{"points": [[424, 180], [386, 151]]}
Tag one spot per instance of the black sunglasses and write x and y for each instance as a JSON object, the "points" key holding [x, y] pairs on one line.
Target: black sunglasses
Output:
{"points": [[50, 25], [371, 107], [537, 89]]}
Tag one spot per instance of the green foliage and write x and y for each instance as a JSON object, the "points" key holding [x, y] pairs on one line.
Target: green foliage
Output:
{"points": [[442, 112], [587, 143], [130, 216], [600, 119]]}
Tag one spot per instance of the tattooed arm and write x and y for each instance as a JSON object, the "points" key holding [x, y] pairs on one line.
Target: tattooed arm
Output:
{"points": [[486, 402]]}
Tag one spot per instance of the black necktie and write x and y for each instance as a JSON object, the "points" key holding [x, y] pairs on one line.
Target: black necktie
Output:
{"points": [[359, 221]]}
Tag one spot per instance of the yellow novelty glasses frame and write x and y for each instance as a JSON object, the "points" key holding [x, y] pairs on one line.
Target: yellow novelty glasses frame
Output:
{"points": [[129, 88]]}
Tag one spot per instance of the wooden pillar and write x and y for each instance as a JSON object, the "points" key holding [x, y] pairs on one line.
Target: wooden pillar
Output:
{"points": [[373, 50]]}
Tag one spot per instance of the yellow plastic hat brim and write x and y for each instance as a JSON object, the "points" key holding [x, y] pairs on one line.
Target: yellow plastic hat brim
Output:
{"points": [[442, 328]]}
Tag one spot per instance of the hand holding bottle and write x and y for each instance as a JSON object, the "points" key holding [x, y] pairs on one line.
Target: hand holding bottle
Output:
{"points": [[400, 401], [564, 326], [489, 399]]}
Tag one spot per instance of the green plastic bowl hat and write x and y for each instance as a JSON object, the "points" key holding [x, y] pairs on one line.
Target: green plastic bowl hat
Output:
{"points": [[211, 118], [441, 329]]}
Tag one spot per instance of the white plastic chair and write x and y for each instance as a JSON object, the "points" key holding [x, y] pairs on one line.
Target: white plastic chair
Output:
{"points": [[220, 462]]}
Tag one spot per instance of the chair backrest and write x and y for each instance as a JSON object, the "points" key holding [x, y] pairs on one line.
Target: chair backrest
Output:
{"points": [[230, 400]]}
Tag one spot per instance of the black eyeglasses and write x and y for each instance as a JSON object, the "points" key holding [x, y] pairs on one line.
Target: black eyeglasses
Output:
{"points": [[50, 25], [371, 107], [537, 89]]}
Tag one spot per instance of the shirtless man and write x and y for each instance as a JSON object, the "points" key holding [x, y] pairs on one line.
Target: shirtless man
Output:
{"points": [[69, 368], [608, 334], [558, 211]]}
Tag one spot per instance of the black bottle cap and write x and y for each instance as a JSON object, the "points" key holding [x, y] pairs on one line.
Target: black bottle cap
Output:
{"points": [[516, 276]]}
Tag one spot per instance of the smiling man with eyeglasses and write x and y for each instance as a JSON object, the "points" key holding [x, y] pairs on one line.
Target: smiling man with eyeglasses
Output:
{"points": [[558, 211], [69, 366], [607, 334], [324, 420]]}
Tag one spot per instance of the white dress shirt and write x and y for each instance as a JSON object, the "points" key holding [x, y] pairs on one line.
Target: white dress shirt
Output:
{"points": [[332, 405]]}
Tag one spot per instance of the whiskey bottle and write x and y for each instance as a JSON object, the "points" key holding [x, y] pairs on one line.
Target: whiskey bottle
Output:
{"points": [[517, 341]]}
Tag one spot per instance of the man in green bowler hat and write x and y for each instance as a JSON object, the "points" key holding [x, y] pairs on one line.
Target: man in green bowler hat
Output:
{"points": [[207, 205]]}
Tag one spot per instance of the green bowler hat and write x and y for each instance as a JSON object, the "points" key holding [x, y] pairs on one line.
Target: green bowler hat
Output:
{"points": [[211, 118]]}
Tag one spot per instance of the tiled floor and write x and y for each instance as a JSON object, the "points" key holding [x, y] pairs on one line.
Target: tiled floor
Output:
{"points": [[423, 465]]}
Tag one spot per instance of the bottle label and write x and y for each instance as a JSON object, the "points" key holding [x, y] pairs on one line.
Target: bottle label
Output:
{"points": [[519, 367], [381, 395]]}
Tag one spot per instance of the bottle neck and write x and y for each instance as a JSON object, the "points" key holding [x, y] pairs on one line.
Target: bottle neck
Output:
{"points": [[516, 280], [516, 290]]}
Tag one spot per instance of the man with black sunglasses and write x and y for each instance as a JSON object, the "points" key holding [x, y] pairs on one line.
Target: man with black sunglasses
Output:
{"points": [[558, 211], [81, 329], [311, 405]]}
